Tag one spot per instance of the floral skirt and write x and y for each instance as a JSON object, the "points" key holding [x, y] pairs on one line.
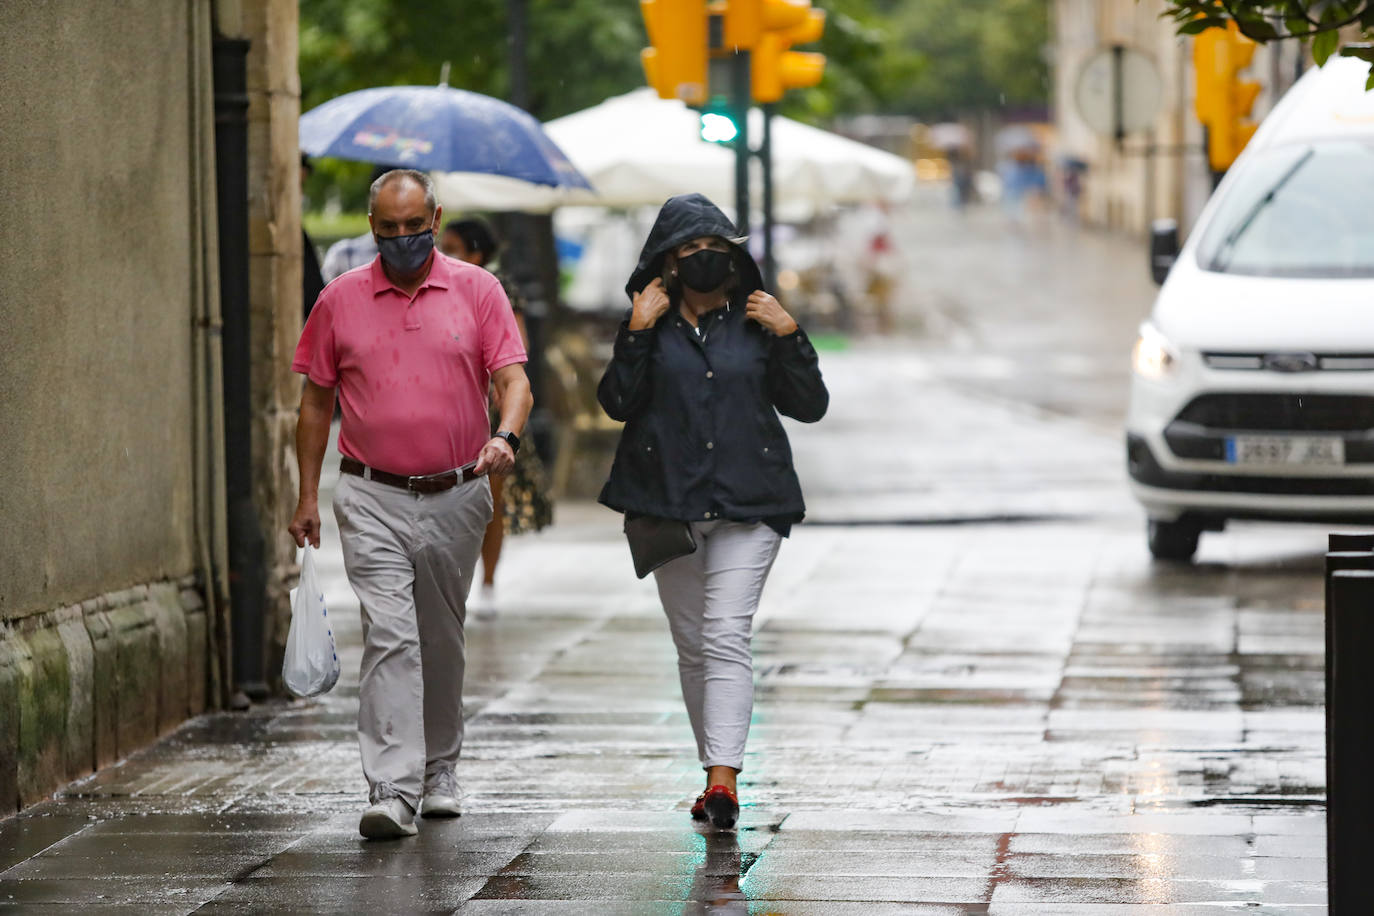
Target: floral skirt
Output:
{"points": [[525, 494]]}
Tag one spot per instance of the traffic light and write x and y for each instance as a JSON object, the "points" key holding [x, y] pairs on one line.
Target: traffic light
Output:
{"points": [[675, 62], [685, 34], [774, 67], [1224, 100], [718, 123]]}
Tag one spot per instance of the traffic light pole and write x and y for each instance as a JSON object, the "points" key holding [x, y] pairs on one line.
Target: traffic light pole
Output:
{"points": [[770, 267], [740, 99]]}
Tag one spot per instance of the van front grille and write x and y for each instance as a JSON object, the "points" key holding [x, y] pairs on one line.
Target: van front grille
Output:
{"points": [[1255, 362], [1281, 412]]}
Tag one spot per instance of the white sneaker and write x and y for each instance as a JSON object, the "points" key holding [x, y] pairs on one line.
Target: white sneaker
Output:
{"points": [[441, 798], [485, 605], [388, 819]]}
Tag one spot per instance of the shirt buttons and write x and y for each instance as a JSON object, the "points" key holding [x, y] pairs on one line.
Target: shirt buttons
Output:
{"points": [[630, 339], [706, 515], [710, 374], [710, 445]]}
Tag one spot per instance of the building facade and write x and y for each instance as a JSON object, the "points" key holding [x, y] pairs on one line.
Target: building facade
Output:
{"points": [[1162, 171]]}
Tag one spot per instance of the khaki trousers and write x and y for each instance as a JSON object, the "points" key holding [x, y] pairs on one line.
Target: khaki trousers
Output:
{"points": [[410, 559]]}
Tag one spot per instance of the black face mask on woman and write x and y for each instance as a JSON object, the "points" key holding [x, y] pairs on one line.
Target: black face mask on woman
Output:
{"points": [[705, 270]]}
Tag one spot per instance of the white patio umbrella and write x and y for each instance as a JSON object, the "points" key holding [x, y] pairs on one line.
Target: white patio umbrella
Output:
{"points": [[639, 150], [459, 191], [817, 167]]}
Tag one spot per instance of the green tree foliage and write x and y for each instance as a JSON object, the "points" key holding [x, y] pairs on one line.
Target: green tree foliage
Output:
{"points": [[976, 55], [867, 64], [1327, 24], [918, 56]]}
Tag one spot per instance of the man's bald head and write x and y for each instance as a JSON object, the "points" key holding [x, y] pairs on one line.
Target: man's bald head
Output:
{"points": [[420, 179]]}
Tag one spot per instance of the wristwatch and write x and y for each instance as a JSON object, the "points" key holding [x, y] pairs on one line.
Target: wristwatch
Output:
{"points": [[511, 439]]}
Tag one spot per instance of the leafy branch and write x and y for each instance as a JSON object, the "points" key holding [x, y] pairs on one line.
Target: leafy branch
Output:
{"points": [[1329, 25]]}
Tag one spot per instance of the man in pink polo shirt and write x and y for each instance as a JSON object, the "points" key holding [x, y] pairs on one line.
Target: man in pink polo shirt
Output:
{"points": [[410, 342]]}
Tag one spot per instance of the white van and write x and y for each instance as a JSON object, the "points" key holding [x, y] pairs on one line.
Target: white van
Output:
{"points": [[1252, 394]]}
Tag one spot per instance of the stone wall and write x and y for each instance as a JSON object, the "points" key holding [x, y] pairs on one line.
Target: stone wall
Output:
{"points": [[104, 632], [95, 290], [84, 685]]}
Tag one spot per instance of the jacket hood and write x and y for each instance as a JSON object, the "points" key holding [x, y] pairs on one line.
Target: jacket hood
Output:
{"points": [[683, 218]]}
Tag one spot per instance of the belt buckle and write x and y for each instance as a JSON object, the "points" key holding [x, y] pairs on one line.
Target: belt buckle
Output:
{"points": [[415, 483], [418, 483]]}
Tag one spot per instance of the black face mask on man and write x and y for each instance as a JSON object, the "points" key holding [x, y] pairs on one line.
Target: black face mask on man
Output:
{"points": [[406, 254], [705, 270]]}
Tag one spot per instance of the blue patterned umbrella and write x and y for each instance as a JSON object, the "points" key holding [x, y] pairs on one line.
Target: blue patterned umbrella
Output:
{"points": [[437, 128]]}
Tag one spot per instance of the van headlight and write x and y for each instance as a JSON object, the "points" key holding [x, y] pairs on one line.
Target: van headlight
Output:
{"points": [[1153, 357]]}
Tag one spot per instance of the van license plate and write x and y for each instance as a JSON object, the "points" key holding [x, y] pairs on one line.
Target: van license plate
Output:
{"points": [[1286, 451]]}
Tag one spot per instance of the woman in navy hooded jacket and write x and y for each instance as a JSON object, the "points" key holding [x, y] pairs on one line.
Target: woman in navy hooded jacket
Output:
{"points": [[702, 366]]}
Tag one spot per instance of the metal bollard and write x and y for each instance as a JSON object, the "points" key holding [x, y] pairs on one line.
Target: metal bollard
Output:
{"points": [[1345, 551], [1349, 740], [1350, 542]]}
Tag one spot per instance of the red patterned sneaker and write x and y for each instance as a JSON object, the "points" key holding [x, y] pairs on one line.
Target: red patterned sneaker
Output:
{"points": [[720, 806], [699, 808]]}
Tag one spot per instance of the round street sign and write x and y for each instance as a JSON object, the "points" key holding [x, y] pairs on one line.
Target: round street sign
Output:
{"points": [[1118, 91]]}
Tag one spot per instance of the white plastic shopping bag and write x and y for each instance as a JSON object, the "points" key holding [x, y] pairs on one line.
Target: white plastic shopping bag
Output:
{"points": [[311, 666]]}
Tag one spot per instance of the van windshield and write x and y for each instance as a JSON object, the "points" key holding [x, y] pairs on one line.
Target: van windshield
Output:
{"points": [[1297, 211]]}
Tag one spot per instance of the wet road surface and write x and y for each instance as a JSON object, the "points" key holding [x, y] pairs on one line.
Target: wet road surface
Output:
{"points": [[976, 694]]}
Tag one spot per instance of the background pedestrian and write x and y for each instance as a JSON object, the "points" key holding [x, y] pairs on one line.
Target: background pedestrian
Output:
{"points": [[312, 282], [520, 501], [702, 366], [346, 254], [411, 341]]}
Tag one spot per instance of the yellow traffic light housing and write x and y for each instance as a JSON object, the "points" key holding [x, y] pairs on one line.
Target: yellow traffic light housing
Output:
{"points": [[675, 62], [685, 34], [741, 23], [1224, 101], [774, 67]]}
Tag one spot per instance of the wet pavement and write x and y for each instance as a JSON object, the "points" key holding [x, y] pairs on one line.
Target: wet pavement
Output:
{"points": [[976, 693]]}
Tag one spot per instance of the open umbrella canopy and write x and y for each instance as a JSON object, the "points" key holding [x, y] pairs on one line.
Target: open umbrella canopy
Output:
{"points": [[437, 128]]}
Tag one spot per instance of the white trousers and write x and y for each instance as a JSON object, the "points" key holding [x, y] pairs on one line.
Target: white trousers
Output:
{"points": [[410, 559], [710, 597]]}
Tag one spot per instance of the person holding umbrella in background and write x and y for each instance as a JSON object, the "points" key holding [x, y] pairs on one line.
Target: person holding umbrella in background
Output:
{"points": [[702, 366], [312, 284]]}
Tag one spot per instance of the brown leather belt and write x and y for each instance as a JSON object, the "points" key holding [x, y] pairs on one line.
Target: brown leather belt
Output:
{"points": [[427, 483]]}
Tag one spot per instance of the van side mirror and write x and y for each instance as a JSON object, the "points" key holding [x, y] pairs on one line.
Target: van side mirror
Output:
{"points": [[1163, 248]]}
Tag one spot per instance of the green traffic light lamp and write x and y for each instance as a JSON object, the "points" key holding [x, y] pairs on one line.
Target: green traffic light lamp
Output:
{"points": [[718, 128]]}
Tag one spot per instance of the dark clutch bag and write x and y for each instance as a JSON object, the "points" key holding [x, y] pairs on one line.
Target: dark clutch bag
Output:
{"points": [[655, 541]]}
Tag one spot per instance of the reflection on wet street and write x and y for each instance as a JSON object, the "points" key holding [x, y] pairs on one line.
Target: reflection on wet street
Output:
{"points": [[976, 692]]}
